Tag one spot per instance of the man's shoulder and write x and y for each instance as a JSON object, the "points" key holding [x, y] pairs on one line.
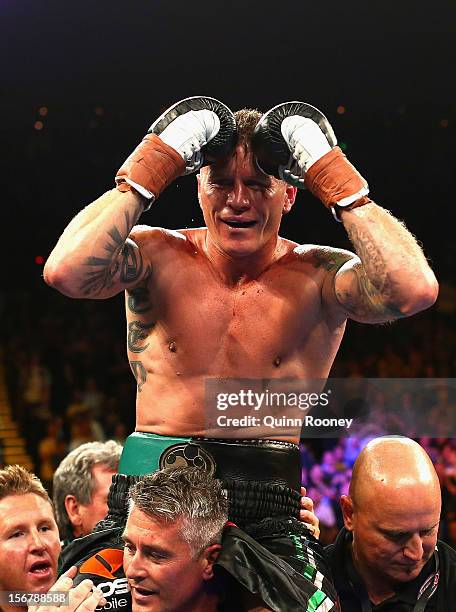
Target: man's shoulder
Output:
{"points": [[447, 553], [146, 235], [318, 256], [336, 550]]}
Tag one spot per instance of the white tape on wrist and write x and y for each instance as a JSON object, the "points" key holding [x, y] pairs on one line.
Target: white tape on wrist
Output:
{"points": [[143, 192], [345, 202]]}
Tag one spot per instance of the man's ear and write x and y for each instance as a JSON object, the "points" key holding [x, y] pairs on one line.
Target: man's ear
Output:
{"points": [[290, 197], [346, 505], [73, 508], [210, 556]]}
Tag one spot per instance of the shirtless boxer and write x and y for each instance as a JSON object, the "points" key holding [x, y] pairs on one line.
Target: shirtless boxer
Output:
{"points": [[234, 299]]}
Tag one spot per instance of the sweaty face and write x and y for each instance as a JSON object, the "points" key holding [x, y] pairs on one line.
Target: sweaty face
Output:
{"points": [[242, 207], [159, 566], [395, 538], [29, 544], [90, 514]]}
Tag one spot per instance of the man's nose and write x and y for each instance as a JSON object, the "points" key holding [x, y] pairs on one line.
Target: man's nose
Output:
{"points": [[134, 569], [413, 549], [238, 197], [36, 543]]}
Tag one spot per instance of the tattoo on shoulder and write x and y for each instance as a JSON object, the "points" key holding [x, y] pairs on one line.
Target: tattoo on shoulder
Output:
{"points": [[122, 258], [329, 260], [139, 372]]}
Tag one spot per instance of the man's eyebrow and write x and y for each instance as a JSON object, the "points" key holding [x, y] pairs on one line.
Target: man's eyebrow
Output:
{"points": [[254, 178], [147, 548], [395, 533]]}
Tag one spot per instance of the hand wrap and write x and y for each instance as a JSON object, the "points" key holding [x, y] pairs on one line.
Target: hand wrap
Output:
{"points": [[151, 167], [336, 182]]}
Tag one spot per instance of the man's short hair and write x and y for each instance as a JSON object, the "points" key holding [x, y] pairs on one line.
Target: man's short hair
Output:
{"points": [[188, 494], [74, 477], [246, 120], [16, 480]]}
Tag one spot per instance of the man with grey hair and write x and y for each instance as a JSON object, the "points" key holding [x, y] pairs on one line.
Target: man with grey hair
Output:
{"points": [[172, 540], [81, 485]]}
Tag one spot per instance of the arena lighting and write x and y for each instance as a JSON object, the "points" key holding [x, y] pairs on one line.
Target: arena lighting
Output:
{"points": [[38, 125], [340, 109]]}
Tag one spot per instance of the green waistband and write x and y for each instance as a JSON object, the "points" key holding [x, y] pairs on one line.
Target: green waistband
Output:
{"points": [[142, 451]]}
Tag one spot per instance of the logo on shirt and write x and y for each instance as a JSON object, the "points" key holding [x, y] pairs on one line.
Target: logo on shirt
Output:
{"points": [[104, 563]]}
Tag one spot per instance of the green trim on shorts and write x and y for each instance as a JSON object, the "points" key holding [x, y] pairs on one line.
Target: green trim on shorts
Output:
{"points": [[142, 451], [316, 600]]}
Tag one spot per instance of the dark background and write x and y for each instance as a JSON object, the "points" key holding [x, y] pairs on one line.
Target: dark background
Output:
{"points": [[105, 70]]}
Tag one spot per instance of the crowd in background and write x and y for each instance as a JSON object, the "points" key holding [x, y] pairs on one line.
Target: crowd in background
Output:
{"points": [[69, 382]]}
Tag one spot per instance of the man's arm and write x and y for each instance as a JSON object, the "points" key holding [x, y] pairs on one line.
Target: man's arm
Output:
{"points": [[391, 278], [94, 258]]}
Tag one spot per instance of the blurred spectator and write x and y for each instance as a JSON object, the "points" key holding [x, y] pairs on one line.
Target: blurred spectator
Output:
{"points": [[37, 381], [449, 492], [81, 485], [93, 398], [35, 400], [83, 426], [51, 450]]}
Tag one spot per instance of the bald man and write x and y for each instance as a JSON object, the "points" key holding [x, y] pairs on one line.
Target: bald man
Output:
{"points": [[387, 557]]}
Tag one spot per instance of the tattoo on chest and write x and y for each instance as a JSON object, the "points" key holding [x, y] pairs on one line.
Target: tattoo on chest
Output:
{"points": [[139, 372], [137, 333], [138, 300]]}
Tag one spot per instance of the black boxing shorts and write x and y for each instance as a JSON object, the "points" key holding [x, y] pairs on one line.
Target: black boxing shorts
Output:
{"points": [[266, 549]]}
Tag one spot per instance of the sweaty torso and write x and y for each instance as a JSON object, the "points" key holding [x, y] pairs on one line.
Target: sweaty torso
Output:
{"points": [[185, 324]]}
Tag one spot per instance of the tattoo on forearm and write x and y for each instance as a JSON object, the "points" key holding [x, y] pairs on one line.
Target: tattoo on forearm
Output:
{"points": [[103, 270], [139, 372], [101, 277], [137, 332]]}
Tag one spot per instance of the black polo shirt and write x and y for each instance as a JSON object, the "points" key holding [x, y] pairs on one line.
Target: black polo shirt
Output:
{"points": [[352, 593]]}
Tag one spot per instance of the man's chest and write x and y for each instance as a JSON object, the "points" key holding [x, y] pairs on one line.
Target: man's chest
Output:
{"points": [[268, 320], [266, 313]]}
